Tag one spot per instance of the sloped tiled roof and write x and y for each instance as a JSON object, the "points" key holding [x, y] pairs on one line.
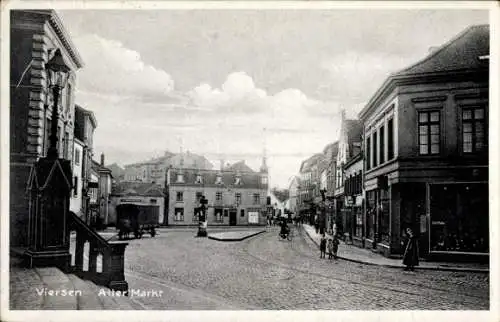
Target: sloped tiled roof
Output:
{"points": [[354, 131], [137, 189], [248, 180], [310, 162], [240, 166], [460, 53], [99, 168]]}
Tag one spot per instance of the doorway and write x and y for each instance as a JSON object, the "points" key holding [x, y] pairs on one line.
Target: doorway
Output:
{"points": [[232, 217]]}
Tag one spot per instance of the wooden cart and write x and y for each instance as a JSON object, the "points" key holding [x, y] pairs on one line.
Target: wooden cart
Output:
{"points": [[136, 219]]}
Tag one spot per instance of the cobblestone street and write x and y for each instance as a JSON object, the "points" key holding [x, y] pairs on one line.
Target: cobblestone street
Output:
{"points": [[266, 273]]}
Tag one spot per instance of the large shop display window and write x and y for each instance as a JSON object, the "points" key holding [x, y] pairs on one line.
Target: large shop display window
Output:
{"points": [[459, 217]]}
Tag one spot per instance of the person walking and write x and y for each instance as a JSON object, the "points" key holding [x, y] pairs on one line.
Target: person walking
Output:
{"points": [[330, 248], [322, 246], [410, 256], [335, 245]]}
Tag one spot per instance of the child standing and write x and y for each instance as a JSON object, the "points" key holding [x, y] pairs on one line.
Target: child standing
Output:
{"points": [[335, 246], [322, 246], [330, 248]]}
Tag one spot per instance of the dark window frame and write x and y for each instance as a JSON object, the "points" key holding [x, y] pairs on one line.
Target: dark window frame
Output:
{"points": [[390, 139], [428, 125], [473, 121], [381, 135], [368, 153]]}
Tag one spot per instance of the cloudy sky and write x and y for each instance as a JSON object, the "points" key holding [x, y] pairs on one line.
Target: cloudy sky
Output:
{"points": [[226, 83]]}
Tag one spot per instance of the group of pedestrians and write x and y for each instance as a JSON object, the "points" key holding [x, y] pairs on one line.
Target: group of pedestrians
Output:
{"points": [[333, 246], [410, 255]]}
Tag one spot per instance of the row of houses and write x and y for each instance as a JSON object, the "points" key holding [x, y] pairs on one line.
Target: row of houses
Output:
{"points": [[236, 194], [36, 35], [416, 157]]}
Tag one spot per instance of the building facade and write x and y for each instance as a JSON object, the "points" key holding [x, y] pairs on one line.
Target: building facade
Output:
{"points": [[353, 214], [148, 197], [234, 197], [349, 147], [293, 189], [426, 152], [102, 201], [76, 204], [35, 34], [330, 152]]}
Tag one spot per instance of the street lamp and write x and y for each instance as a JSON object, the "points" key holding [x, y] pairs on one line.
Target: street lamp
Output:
{"points": [[58, 72], [50, 186]]}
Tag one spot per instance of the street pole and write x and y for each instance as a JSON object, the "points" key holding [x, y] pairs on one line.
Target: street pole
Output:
{"points": [[202, 225]]}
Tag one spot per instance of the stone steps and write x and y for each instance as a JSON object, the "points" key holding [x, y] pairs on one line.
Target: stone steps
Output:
{"points": [[48, 288]]}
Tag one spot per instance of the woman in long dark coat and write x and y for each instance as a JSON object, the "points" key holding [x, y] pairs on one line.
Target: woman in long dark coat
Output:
{"points": [[410, 257]]}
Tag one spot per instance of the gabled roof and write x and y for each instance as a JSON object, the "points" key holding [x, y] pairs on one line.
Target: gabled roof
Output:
{"points": [[310, 162], [137, 189], [461, 52], [459, 55], [354, 131], [99, 168]]}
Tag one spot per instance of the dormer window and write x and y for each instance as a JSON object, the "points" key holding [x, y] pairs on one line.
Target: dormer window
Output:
{"points": [[199, 179], [218, 179], [180, 177], [237, 180]]}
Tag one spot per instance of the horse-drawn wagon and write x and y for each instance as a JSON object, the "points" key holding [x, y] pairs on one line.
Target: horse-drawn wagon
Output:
{"points": [[135, 219]]}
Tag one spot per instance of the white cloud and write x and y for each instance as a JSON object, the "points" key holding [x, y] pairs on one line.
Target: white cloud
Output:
{"points": [[114, 69]]}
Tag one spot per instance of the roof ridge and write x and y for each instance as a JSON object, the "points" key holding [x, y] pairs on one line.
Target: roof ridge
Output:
{"points": [[439, 49]]}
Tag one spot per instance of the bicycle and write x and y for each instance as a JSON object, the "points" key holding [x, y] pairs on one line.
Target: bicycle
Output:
{"points": [[288, 236]]}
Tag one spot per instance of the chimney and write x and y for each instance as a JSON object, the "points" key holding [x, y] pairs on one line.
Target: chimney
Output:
{"points": [[102, 159], [432, 49]]}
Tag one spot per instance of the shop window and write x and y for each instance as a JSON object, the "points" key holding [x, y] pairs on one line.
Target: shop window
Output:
{"points": [[384, 210], [473, 130], [358, 232], [226, 213], [429, 132], [242, 213], [390, 139], [179, 214], [459, 218]]}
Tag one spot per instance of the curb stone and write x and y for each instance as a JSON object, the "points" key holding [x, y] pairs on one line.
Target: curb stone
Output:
{"points": [[235, 238]]}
